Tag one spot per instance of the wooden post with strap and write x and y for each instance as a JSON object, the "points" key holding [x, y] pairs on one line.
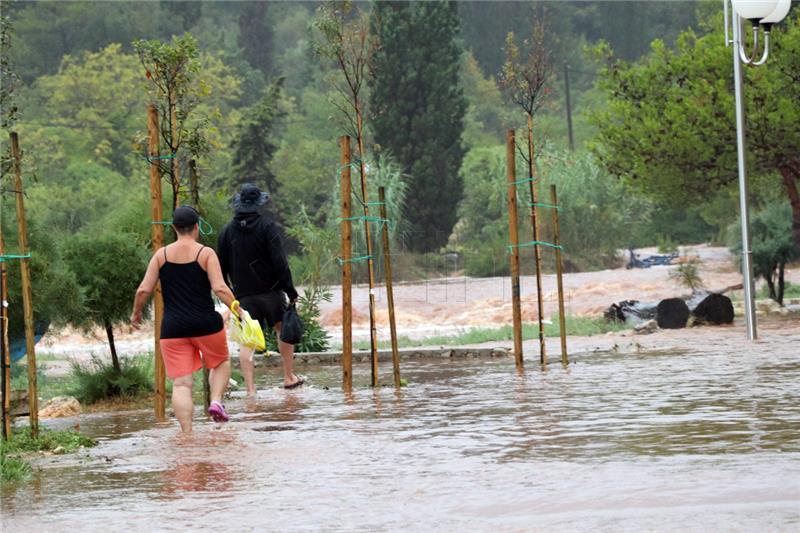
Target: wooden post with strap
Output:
{"points": [[347, 266], [387, 270], [157, 235], [27, 291], [511, 170]]}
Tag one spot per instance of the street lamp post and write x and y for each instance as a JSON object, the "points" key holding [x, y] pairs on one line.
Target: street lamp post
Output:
{"points": [[761, 14]]}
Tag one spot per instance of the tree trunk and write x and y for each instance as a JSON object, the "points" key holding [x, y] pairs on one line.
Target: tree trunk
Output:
{"points": [[114, 358], [781, 283], [791, 173], [771, 285]]}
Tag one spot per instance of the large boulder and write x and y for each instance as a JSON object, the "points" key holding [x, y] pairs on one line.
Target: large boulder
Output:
{"points": [[714, 309], [672, 313]]}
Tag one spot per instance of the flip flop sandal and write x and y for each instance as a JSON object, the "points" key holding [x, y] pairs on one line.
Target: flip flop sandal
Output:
{"points": [[296, 384], [217, 412]]}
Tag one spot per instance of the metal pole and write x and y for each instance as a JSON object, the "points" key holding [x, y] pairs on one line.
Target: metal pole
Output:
{"points": [[347, 267], [511, 169], [747, 253], [569, 108]]}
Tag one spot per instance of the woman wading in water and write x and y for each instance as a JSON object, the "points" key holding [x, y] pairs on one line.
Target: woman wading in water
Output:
{"points": [[192, 332]]}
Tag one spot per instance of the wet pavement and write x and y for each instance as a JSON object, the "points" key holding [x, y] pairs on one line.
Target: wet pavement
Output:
{"points": [[706, 439]]}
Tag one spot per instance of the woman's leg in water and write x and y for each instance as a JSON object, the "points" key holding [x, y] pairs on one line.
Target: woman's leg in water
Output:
{"points": [[218, 380], [247, 365], [182, 402]]}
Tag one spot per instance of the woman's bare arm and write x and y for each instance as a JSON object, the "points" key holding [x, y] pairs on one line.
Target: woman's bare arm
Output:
{"points": [[145, 290], [215, 278]]}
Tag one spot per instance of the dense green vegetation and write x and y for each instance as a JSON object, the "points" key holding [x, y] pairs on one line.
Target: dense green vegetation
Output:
{"points": [[242, 89]]}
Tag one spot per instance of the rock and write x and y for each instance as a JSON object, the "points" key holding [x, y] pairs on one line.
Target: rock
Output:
{"points": [[646, 328], [672, 313], [59, 450], [714, 309], [60, 407], [769, 307]]}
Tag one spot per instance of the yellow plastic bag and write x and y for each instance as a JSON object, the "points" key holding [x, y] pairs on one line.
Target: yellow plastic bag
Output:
{"points": [[245, 330]]}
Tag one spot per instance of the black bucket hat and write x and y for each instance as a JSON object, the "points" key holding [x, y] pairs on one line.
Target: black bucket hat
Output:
{"points": [[249, 199]]}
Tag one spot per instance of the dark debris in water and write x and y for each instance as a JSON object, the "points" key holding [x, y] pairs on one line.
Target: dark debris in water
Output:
{"points": [[274, 428]]}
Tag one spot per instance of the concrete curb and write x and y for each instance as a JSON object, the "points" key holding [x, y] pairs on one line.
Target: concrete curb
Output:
{"points": [[384, 356]]}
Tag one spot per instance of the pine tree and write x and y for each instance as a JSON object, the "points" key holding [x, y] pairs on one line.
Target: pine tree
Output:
{"points": [[418, 110], [255, 142], [255, 36]]}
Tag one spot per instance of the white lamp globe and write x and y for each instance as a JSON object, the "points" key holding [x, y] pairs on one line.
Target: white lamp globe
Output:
{"points": [[754, 9], [779, 13]]}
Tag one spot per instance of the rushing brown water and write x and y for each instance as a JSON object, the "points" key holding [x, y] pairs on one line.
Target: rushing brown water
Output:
{"points": [[663, 441]]}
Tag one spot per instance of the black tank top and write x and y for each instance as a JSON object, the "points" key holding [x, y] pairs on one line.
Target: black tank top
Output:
{"points": [[188, 307]]}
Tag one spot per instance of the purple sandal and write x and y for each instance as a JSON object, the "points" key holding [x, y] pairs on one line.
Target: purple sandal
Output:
{"points": [[217, 412]]}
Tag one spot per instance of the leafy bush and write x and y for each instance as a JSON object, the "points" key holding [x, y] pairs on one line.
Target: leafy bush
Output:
{"points": [[773, 246], [687, 275], [99, 380]]}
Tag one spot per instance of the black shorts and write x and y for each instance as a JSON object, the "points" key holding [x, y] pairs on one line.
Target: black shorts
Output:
{"points": [[266, 308]]}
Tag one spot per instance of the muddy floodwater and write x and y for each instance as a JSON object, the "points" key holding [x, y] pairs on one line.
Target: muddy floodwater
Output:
{"points": [[687, 441]]}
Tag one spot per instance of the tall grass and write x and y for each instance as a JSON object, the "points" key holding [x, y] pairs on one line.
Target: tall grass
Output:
{"points": [[98, 380], [576, 326]]}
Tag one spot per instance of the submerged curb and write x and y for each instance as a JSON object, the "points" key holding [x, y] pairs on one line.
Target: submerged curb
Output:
{"points": [[384, 356]]}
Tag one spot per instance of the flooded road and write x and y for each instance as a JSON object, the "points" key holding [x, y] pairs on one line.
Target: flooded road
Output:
{"points": [[686, 441]]}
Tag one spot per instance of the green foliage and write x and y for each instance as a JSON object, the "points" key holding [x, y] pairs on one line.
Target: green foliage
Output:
{"points": [[108, 268], [12, 469], [15, 469], [48, 440], [255, 35], [56, 294], [99, 380], [669, 126], [688, 275], [418, 110], [9, 109], [482, 230], [772, 245], [256, 140]]}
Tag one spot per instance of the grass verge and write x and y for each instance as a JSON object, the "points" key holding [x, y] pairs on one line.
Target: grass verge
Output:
{"points": [[15, 468], [576, 326]]}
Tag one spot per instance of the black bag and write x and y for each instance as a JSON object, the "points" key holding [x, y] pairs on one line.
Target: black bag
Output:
{"points": [[291, 326]]}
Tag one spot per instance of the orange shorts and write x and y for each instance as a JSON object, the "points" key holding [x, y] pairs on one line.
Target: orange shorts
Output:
{"points": [[186, 355]]}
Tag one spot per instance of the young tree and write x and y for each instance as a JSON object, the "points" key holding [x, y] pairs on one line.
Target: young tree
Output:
{"points": [[255, 36], [172, 69], [256, 142], [525, 79], [108, 268], [669, 124], [419, 108], [773, 247]]}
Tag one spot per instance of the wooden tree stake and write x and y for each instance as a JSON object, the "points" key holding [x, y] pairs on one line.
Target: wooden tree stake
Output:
{"points": [[387, 268], [157, 235], [347, 267], [557, 242], [511, 169], [4, 348], [27, 291]]}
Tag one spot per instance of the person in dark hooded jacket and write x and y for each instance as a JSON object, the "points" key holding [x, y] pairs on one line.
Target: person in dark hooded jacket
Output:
{"points": [[254, 265]]}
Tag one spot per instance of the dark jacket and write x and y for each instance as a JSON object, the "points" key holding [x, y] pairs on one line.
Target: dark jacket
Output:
{"points": [[252, 258]]}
